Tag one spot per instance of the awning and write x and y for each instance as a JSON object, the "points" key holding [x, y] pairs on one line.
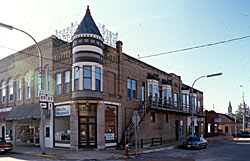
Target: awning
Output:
{"points": [[3, 115], [27, 111]]}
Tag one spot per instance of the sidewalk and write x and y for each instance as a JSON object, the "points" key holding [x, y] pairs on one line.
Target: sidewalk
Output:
{"points": [[109, 153]]}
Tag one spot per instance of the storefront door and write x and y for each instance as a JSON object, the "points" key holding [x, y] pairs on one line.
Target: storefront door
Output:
{"points": [[87, 132], [3, 132], [87, 126]]}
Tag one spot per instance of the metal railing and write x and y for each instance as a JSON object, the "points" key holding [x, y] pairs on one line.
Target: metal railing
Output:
{"points": [[157, 102], [129, 132]]}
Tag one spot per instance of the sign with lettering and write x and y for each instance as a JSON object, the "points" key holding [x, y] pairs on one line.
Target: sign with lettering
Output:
{"points": [[63, 110]]}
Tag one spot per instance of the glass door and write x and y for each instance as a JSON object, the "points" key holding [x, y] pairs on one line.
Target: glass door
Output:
{"points": [[87, 125], [87, 132]]}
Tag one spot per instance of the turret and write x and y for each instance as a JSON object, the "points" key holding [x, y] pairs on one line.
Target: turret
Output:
{"points": [[87, 68]]}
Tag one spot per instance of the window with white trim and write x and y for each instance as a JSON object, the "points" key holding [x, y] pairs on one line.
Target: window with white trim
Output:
{"points": [[19, 89], [11, 92], [129, 82], [48, 79], [76, 78], [3, 92], [169, 96], [27, 86], [175, 99], [87, 77], [37, 83], [58, 83], [67, 82], [133, 89], [97, 78]]}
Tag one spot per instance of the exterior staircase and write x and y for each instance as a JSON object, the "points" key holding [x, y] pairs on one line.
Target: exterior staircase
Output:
{"points": [[130, 131]]}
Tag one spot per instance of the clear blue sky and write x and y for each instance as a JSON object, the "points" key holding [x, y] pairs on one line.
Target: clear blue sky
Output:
{"points": [[151, 27]]}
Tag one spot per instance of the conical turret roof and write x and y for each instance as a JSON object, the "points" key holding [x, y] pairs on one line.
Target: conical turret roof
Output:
{"points": [[87, 25]]}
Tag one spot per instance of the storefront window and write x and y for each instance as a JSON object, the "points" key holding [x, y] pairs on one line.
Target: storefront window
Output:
{"points": [[62, 126], [110, 124], [27, 131]]}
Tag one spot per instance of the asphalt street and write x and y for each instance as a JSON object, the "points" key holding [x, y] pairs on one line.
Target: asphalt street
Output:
{"points": [[222, 151]]}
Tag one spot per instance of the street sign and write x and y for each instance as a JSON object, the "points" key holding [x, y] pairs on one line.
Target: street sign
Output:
{"points": [[46, 99], [136, 119], [43, 105], [43, 98], [50, 98], [50, 106]]}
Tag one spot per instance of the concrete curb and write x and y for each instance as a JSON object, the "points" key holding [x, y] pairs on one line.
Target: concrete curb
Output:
{"points": [[36, 155]]}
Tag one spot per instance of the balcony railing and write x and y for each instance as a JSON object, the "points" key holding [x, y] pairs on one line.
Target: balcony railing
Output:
{"points": [[165, 104]]}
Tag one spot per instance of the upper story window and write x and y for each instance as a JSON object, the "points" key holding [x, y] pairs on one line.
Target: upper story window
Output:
{"points": [[153, 89], [169, 96], [3, 92], [11, 90], [185, 99], [175, 100], [143, 92], [58, 83], [48, 79], [150, 89], [156, 89], [76, 78], [19, 89], [131, 88], [194, 102], [87, 77], [67, 82], [38, 83], [27, 86], [98, 78]]}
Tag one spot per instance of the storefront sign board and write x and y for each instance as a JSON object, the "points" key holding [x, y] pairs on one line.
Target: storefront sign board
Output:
{"points": [[63, 110]]}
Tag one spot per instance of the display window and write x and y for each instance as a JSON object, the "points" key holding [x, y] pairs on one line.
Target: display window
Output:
{"points": [[62, 126], [110, 125], [27, 131]]}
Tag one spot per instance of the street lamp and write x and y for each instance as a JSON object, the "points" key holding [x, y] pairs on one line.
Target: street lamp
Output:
{"points": [[41, 80], [192, 91]]}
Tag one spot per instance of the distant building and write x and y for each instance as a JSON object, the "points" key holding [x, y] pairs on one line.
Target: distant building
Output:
{"points": [[230, 109], [228, 126]]}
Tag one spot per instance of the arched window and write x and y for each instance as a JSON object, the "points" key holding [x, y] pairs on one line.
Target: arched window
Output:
{"points": [[11, 93], [19, 88], [48, 79], [27, 86], [38, 83], [3, 89]]}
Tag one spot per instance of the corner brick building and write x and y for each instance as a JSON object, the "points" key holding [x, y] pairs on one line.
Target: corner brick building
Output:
{"points": [[97, 89]]}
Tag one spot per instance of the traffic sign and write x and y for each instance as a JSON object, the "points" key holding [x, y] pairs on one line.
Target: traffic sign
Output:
{"points": [[50, 98], [43, 98], [136, 119], [43, 105], [50, 106]]}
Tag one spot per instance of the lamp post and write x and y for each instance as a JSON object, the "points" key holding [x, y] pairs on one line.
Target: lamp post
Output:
{"points": [[42, 143], [192, 91]]}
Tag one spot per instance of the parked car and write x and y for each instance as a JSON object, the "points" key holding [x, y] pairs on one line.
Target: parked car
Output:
{"points": [[4, 146], [195, 142], [243, 134]]}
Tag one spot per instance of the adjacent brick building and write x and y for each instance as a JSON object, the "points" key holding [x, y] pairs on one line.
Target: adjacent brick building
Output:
{"points": [[97, 90]]}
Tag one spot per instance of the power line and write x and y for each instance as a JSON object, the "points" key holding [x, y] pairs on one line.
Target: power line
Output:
{"points": [[197, 47], [53, 61]]}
